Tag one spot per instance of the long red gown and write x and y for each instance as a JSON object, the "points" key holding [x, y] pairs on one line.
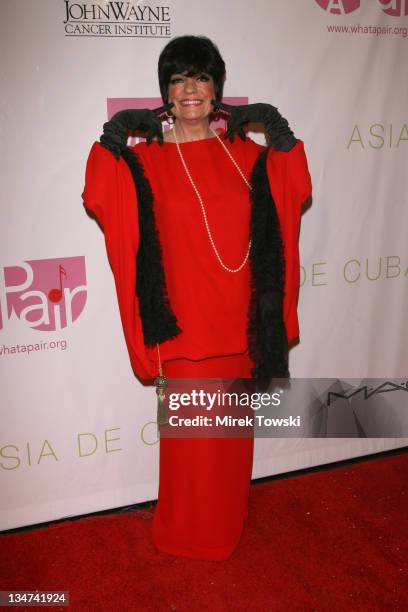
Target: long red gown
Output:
{"points": [[203, 483]]}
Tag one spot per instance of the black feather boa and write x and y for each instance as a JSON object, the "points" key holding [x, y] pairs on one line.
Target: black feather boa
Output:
{"points": [[267, 340], [158, 320], [268, 346]]}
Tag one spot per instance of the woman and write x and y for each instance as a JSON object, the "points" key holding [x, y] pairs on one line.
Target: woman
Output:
{"points": [[202, 237]]}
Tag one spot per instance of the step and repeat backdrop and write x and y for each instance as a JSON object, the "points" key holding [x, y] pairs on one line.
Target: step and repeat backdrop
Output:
{"points": [[77, 428]]}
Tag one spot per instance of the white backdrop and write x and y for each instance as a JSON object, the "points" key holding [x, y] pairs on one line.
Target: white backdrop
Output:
{"points": [[76, 426]]}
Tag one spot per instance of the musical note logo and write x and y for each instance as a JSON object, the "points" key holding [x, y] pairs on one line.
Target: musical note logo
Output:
{"points": [[55, 295]]}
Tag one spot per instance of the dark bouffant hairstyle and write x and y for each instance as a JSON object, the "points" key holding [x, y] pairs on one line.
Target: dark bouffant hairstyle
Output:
{"points": [[191, 55]]}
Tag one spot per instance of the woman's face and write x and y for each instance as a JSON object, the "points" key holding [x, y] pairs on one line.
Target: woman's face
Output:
{"points": [[191, 96]]}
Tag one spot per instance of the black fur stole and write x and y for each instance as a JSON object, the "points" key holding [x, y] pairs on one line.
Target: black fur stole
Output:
{"points": [[158, 320], [268, 346], [267, 340]]}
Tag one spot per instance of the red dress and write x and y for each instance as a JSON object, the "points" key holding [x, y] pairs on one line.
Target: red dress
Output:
{"points": [[204, 483]]}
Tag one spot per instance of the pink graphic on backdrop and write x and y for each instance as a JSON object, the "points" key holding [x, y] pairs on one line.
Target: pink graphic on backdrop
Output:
{"points": [[394, 8], [44, 294], [339, 7], [117, 104]]}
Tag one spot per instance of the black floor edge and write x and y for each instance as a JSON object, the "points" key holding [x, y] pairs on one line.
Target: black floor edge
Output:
{"points": [[256, 481]]}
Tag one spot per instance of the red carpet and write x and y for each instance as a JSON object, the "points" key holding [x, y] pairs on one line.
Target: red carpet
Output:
{"points": [[333, 539]]}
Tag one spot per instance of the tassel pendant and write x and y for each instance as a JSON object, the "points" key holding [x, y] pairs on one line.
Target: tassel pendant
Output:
{"points": [[161, 386]]}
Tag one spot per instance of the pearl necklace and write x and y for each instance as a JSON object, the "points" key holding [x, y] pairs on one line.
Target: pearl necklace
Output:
{"points": [[202, 204]]}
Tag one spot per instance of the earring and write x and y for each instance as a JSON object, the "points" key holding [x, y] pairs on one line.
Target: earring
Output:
{"points": [[169, 118]]}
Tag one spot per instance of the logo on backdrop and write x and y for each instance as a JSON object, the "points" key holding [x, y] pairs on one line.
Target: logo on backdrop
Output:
{"points": [[394, 8], [380, 268], [44, 294], [377, 136], [117, 19], [366, 392], [339, 7]]}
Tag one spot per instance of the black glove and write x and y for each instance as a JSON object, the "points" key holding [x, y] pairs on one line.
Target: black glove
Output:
{"points": [[281, 136], [116, 131]]}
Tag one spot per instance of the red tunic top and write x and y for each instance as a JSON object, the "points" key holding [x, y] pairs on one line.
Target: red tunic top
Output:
{"points": [[210, 304]]}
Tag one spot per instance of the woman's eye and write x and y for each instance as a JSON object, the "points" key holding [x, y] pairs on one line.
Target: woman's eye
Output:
{"points": [[176, 80]]}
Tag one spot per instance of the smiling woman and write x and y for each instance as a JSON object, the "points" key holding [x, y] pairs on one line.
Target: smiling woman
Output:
{"points": [[191, 76], [192, 98], [201, 230]]}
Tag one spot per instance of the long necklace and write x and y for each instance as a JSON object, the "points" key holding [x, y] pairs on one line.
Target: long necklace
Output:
{"points": [[202, 203]]}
